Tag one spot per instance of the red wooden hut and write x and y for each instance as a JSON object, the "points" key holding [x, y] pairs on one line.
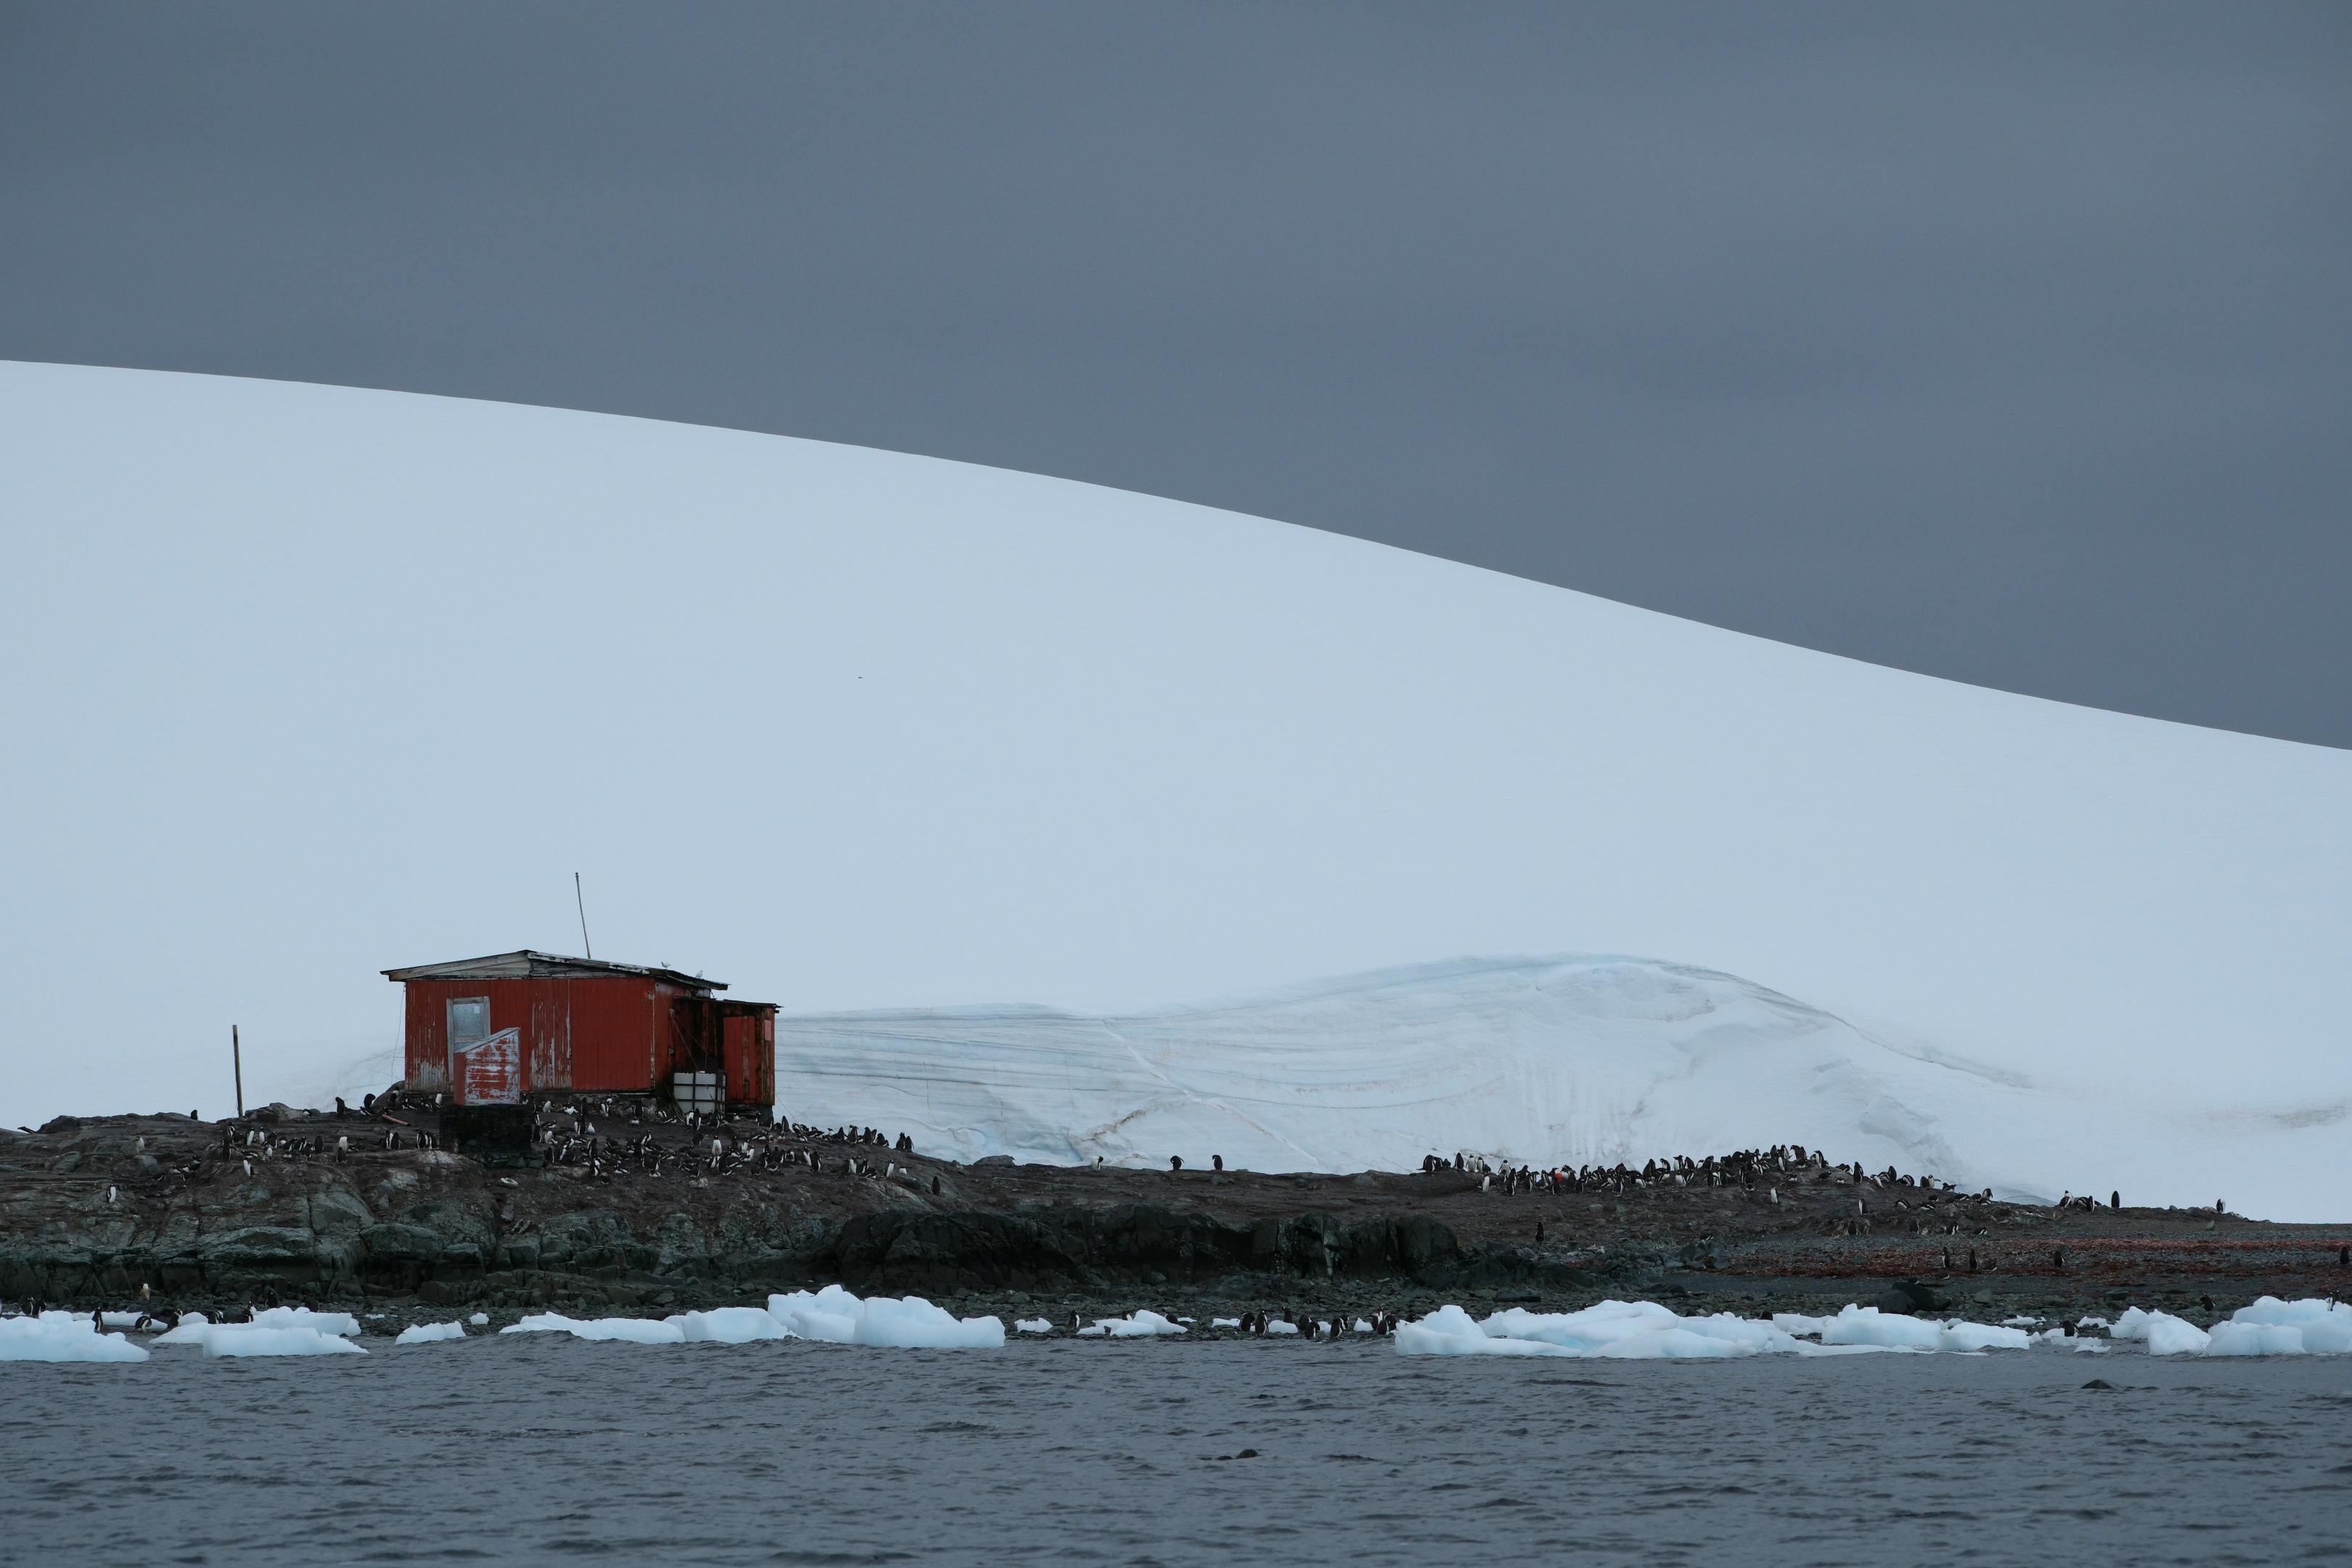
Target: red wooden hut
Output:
{"points": [[500, 1029]]}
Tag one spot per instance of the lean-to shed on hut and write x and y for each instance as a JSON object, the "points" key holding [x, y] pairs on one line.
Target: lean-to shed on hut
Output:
{"points": [[502, 1029]]}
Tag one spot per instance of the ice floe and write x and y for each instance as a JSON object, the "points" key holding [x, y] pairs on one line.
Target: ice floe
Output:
{"points": [[1033, 1325], [835, 1316], [1645, 1331], [1142, 1325], [729, 1326], [629, 1330], [262, 1339], [271, 1332], [430, 1333], [47, 1338]]}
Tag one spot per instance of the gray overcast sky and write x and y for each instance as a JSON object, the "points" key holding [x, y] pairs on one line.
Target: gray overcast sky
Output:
{"points": [[2012, 344]]}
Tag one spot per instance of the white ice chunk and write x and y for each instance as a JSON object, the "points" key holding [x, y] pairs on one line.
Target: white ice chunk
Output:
{"points": [[633, 1331], [1035, 1325], [2253, 1339], [729, 1325], [1095, 1333], [430, 1333], [125, 1319], [1276, 1326], [1449, 1330], [478, 1319], [342, 1323], [2132, 1325], [43, 1339], [1143, 1324], [1224, 1323], [2169, 1335], [272, 1340], [1363, 1325], [837, 1316]]}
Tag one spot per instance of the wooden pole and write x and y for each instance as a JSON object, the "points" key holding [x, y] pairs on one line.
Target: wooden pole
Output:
{"points": [[236, 1062]]}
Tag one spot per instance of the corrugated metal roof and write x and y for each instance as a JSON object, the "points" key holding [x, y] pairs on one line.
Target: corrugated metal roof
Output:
{"points": [[529, 965]]}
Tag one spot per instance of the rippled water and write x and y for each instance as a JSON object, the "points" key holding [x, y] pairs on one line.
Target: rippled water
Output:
{"points": [[535, 1449]]}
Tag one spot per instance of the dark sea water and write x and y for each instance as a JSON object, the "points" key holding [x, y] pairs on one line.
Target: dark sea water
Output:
{"points": [[543, 1450]]}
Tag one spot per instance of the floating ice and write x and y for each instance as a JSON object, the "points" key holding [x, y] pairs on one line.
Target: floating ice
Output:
{"points": [[125, 1319], [1143, 1324], [267, 1339], [729, 1325], [2132, 1325], [1035, 1326], [478, 1319], [1868, 1326], [631, 1330], [1363, 1325], [2169, 1335], [835, 1316], [2252, 1339], [1224, 1323], [1278, 1327], [1645, 1331], [430, 1333], [45, 1339]]}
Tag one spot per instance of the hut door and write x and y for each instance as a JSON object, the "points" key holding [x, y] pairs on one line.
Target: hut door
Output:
{"points": [[470, 1025]]}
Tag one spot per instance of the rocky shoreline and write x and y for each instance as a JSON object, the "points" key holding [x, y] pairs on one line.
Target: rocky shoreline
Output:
{"points": [[93, 1209]]}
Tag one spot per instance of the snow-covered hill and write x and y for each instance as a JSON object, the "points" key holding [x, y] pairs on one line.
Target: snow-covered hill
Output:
{"points": [[308, 681], [1584, 1059]]}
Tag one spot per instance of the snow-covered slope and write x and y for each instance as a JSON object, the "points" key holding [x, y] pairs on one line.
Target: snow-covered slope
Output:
{"points": [[307, 682], [1538, 1060]]}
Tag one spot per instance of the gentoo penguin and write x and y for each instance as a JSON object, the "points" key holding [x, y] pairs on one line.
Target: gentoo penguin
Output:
{"points": [[2115, 1200], [1216, 1161], [1175, 1161]]}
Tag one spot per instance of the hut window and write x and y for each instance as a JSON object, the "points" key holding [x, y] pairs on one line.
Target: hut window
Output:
{"points": [[469, 1021]]}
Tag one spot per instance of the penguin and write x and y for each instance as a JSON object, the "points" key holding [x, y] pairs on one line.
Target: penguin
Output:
{"points": [[2115, 1200], [1175, 1161], [1216, 1161], [110, 1195]]}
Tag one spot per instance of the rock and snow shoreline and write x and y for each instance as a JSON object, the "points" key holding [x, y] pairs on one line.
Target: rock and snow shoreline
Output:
{"points": [[404, 1237]]}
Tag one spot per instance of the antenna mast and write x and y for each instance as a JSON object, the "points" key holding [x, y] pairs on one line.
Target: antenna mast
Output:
{"points": [[583, 902]]}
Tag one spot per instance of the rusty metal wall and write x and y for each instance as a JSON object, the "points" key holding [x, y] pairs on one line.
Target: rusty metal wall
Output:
{"points": [[605, 1033]]}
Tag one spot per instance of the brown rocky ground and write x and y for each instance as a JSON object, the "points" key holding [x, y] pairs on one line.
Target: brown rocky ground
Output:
{"points": [[415, 1232]]}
